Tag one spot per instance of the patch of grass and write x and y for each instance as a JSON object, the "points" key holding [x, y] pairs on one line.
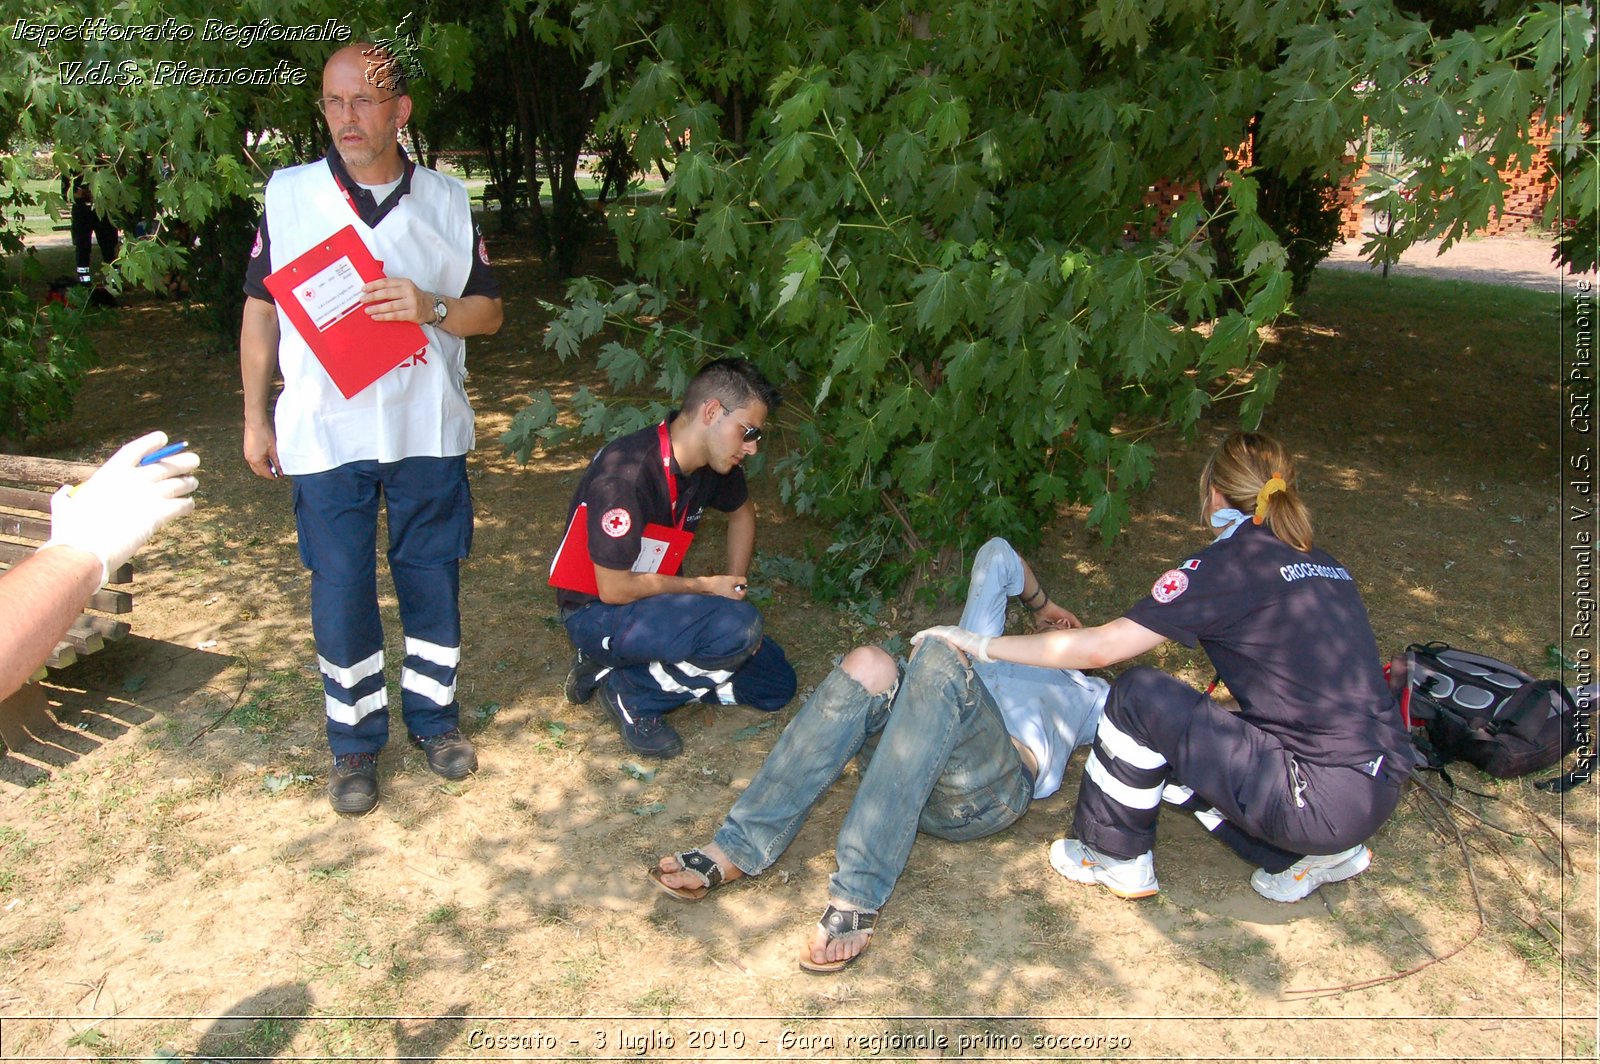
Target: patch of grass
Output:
{"points": [[662, 1001], [1426, 300], [554, 735], [442, 915], [31, 940], [357, 951], [267, 1037], [1231, 955], [1047, 919], [1535, 950], [16, 851], [96, 1041], [275, 701], [340, 1037], [579, 973]]}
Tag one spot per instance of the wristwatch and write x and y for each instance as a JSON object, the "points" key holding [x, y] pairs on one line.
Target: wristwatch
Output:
{"points": [[439, 310]]}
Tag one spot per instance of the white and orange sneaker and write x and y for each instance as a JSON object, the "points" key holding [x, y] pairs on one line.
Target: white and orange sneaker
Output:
{"points": [[1309, 873], [1126, 878]]}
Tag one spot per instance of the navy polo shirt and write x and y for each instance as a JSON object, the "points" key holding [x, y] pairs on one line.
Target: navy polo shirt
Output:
{"points": [[1287, 632], [625, 488]]}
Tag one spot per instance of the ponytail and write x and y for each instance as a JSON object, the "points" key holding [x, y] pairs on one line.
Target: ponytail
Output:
{"points": [[1255, 474]]}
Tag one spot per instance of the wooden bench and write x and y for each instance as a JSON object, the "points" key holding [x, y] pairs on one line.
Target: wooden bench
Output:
{"points": [[520, 195], [26, 485]]}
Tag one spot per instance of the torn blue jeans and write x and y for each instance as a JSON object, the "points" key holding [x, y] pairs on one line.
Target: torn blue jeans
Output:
{"points": [[943, 763]]}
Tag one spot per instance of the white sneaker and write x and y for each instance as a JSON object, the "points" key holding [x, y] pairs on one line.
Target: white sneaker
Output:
{"points": [[1126, 878], [1309, 873]]}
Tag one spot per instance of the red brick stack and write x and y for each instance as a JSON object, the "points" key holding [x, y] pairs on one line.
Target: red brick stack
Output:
{"points": [[1527, 192]]}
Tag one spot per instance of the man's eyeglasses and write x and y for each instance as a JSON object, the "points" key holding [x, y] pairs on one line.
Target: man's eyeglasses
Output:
{"points": [[752, 433], [361, 105]]}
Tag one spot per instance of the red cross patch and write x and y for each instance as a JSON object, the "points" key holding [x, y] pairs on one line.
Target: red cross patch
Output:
{"points": [[1169, 585], [615, 523]]}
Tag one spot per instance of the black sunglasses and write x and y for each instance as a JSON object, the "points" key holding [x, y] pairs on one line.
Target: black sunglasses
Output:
{"points": [[752, 433]]}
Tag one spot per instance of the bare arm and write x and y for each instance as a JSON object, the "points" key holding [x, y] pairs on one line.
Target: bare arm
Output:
{"points": [[618, 587], [1078, 648], [1047, 614], [258, 364], [94, 527], [399, 299], [40, 597], [742, 539], [473, 315]]}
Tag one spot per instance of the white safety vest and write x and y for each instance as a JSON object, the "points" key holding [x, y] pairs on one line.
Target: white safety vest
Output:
{"points": [[417, 409]]}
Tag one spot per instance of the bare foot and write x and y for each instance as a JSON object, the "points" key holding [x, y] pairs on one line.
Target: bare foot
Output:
{"points": [[674, 875], [832, 950]]}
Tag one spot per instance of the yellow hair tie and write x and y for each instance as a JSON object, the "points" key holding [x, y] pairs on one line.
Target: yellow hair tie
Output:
{"points": [[1276, 484]]}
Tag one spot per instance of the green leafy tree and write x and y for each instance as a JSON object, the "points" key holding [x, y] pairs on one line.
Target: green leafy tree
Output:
{"points": [[930, 222], [556, 106], [144, 108], [43, 356]]}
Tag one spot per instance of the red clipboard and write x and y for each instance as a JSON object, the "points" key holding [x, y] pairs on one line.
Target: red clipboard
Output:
{"points": [[662, 549], [315, 292]]}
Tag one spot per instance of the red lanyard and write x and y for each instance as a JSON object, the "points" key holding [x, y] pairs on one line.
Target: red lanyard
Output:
{"points": [[672, 481], [351, 199], [346, 192]]}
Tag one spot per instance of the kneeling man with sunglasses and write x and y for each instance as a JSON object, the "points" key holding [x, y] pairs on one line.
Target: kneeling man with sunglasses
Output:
{"points": [[649, 640]]}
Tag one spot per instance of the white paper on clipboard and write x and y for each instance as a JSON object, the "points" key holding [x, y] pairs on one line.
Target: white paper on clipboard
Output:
{"points": [[652, 552], [330, 293]]}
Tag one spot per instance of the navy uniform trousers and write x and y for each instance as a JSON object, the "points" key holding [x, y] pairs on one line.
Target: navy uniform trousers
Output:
{"points": [[1160, 736], [429, 509], [665, 651]]}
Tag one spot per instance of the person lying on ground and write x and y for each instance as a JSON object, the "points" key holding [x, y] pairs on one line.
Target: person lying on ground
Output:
{"points": [[1313, 762], [950, 748], [95, 527]]}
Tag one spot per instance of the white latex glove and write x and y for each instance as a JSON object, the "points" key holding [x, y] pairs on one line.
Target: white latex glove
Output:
{"points": [[113, 513], [972, 644]]}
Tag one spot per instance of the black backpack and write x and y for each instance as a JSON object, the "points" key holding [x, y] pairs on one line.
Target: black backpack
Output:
{"points": [[1474, 708]]}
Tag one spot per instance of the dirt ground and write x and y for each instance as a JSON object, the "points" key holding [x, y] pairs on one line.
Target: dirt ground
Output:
{"points": [[173, 885], [1523, 261]]}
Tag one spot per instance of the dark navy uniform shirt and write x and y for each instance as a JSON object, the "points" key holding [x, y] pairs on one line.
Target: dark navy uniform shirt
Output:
{"points": [[1288, 634], [625, 488]]}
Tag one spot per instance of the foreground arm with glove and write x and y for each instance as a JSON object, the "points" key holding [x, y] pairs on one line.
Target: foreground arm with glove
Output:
{"points": [[94, 528], [1066, 648]]}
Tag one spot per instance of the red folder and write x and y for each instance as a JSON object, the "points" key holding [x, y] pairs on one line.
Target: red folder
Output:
{"points": [[661, 550], [321, 293]]}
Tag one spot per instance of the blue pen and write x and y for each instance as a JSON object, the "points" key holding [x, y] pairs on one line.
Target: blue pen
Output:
{"points": [[166, 452]]}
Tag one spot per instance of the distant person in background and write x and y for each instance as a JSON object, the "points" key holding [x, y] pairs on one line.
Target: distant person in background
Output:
{"points": [[88, 225], [95, 527]]}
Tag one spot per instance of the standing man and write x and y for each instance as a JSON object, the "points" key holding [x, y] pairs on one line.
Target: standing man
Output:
{"points": [[649, 640], [404, 438], [88, 226]]}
